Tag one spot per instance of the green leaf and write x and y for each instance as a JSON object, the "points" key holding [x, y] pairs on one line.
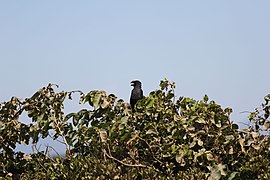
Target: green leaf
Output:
{"points": [[200, 120], [209, 157], [125, 136], [96, 100], [103, 135], [134, 135], [69, 141], [105, 103], [205, 98], [75, 120], [255, 134], [229, 138], [235, 126], [150, 102], [217, 171], [266, 126], [200, 142], [70, 115], [180, 158], [228, 111], [233, 175], [124, 120], [267, 99], [222, 168], [150, 131]]}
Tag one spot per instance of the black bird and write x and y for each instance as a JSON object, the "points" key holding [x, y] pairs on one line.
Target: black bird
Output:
{"points": [[136, 93]]}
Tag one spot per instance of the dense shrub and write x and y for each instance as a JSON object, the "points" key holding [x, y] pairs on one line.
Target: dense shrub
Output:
{"points": [[164, 138]]}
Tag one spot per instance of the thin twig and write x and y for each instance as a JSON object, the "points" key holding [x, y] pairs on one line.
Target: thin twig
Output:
{"points": [[245, 112], [79, 91], [34, 146], [56, 139], [47, 153], [55, 151], [244, 123]]}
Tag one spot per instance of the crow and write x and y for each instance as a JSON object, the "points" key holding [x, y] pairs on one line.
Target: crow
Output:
{"points": [[136, 93]]}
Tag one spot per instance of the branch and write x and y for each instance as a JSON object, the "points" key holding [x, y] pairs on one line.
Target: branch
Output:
{"points": [[150, 150], [63, 137], [55, 151], [121, 162]]}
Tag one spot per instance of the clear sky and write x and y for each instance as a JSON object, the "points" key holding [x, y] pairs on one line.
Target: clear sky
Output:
{"points": [[218, 48]]}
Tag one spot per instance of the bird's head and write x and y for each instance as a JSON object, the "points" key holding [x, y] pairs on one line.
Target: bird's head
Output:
{"points": [[136, 83]]}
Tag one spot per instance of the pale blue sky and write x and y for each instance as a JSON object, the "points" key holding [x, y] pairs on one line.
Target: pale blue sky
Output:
{"points": [[219, 48]]}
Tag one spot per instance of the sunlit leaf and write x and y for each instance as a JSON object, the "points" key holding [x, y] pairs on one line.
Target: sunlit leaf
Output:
{"points": [[209, 157], [266, 126], [200, 142], [96, 100], [150, 131], [103, 135]]}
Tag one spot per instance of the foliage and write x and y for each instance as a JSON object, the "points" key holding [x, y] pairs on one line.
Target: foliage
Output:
{"points": [[165, 138]]}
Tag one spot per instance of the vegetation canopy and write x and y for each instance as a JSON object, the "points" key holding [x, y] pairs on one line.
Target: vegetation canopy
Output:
{"points": [[163, 138]]}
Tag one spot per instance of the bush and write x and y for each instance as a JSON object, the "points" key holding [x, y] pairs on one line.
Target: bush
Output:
{"points": [[164, 138]]}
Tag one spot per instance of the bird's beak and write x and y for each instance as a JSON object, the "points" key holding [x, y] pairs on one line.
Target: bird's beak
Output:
{"points": [[132, 83]]}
